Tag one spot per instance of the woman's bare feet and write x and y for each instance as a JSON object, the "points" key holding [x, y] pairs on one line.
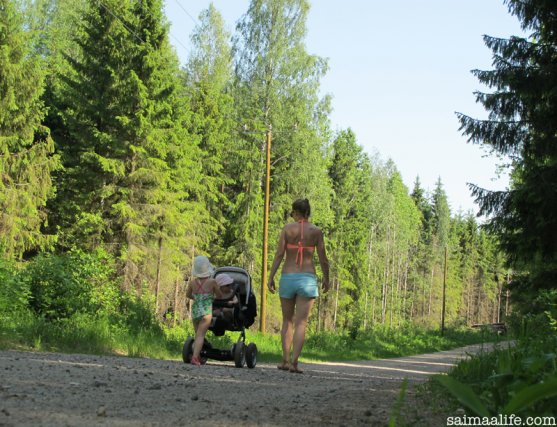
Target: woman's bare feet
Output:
{"points": [[294, 368], [284, 366]]}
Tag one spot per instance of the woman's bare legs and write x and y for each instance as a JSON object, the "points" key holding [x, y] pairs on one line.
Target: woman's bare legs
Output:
{"points": [[288, 305], [303, 308]]}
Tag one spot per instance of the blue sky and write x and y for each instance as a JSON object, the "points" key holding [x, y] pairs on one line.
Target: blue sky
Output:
{"points": [[398, 72]]}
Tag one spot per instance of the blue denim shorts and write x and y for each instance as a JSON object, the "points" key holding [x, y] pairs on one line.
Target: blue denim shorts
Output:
{"points": [[303, 284]]}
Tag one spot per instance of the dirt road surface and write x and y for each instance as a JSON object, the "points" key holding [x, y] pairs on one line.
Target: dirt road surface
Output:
{"points": [[52, 389]]}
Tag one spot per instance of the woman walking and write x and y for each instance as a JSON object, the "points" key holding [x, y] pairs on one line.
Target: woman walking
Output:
{"points": [[298, 282]]}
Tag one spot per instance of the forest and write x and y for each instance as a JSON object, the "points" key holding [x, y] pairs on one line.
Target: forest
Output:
{"points": [[119, 165]]}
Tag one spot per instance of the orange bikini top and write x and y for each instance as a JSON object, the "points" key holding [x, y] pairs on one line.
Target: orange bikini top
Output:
{"points": [[300, 246]]}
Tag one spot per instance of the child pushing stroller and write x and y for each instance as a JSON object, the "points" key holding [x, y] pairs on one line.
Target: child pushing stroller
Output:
{"points": [[232, 308], [202, 289]]}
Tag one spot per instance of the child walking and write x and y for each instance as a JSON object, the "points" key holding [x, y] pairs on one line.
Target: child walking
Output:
{"points": [[202, 289]]}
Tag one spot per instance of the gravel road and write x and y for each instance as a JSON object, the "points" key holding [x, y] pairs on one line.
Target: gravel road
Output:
{"points": [[52, 389]]}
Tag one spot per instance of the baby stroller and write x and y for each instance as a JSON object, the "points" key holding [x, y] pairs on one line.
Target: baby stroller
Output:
{"points": [[243, 316]]}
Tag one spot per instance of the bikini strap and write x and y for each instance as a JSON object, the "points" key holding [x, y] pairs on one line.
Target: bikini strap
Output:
{"points": [[300, 253], [200, 284]]}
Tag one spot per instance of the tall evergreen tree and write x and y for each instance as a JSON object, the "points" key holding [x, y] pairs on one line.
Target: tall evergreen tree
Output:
{"points": [[522, 125], [345, 174], [441, 216], [26, 147], [131, 180], [424, 255]]}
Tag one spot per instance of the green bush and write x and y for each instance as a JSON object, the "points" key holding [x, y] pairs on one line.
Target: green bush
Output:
{"points": [[137, 314], [14, 295], [60, 286]]}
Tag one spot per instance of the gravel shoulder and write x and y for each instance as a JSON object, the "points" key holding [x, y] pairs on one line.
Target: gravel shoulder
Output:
{"points": [[52, 389]]}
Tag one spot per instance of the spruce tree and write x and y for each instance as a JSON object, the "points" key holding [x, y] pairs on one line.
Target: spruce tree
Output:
{"points": [[26, 147], [132, 181], [521, 125]]}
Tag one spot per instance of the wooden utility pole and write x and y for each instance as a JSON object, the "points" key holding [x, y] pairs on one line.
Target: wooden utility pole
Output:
{"points": [[262, 319], [444, 288]]}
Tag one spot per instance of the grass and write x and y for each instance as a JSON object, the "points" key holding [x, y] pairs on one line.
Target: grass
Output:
{"points": [[99, 336], [521, 376]]}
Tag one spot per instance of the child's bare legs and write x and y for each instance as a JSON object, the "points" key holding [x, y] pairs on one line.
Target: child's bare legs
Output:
{"points": [[201, 326]]}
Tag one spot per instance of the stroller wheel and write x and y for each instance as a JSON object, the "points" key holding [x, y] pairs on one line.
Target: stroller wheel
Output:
{"points": [[239, 354], [251, 355], [187, 350]]}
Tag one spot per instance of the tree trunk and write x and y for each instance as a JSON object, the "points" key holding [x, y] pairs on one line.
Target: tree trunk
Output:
{"points": [[386, 278], [431, 290], [176, 311], [404, 293], [468, 301], [336, 304], [365, 311], [158, 280]]}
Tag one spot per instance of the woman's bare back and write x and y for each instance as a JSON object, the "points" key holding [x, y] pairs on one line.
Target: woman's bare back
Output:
{"points": [[296, 262]]}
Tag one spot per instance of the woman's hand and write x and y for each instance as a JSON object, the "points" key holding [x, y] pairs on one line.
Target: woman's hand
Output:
{"points": [[271, 285]]}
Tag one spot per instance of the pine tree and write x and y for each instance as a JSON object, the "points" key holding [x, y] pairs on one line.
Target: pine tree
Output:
{"points": [[522, 126], [26, 147]]}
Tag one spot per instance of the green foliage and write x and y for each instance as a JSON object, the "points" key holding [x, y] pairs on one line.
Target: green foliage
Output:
{"points": [[517, 379], [26, 149], [14, 294], [158, 167], [464, 394], [277, 85], [397, 407], [207, 79], [521, 110], [137, 314], [60, 286], [382, 342]]}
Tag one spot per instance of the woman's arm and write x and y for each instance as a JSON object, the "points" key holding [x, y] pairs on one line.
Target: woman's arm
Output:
{"points": [[279, 255], [323, 260]]}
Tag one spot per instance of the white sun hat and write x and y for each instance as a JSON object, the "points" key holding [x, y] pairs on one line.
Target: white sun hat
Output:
{"points": [[224, 279], [202, 267]]}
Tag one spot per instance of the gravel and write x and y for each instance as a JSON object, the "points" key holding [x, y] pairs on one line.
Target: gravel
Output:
{"points": [[52, 389]]}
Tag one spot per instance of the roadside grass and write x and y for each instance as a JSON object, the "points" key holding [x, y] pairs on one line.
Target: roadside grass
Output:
{"points": [[84, 334], [520, 378]]}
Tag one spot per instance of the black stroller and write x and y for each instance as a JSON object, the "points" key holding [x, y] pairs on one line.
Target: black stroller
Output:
{"points": [[244, 314]]}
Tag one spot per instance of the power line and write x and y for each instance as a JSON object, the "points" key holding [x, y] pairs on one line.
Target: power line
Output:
{"points": [[133, 32], [122, 22], [178, 40], [187, 13]]}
